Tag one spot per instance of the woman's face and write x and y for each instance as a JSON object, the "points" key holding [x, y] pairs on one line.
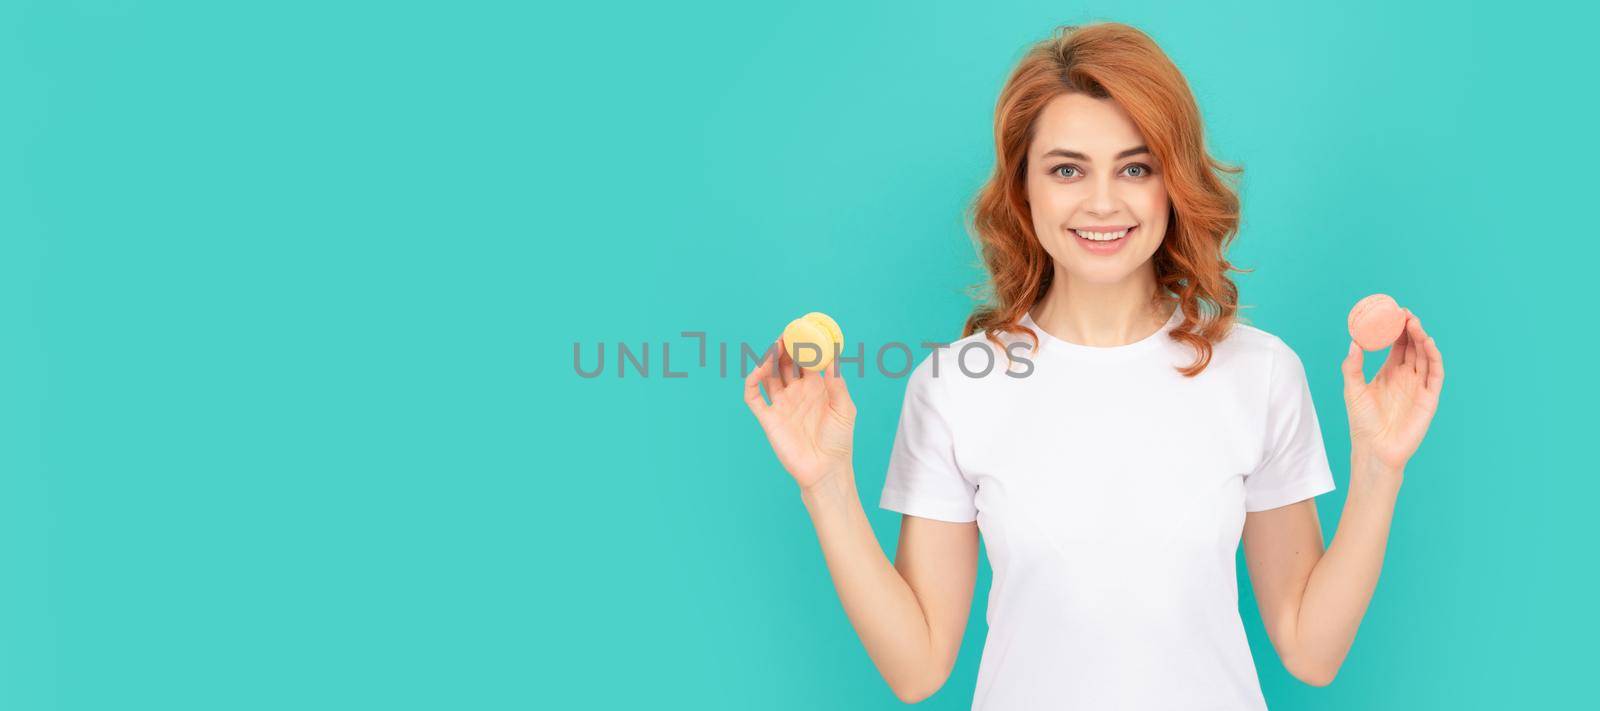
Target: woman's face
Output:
{"points": [[1088, 168]]}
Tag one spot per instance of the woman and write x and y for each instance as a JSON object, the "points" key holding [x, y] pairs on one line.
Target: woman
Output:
{"points": [[1114, 473]]}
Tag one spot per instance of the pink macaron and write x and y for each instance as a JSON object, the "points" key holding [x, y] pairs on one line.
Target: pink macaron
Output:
{"points": [[1376, 322]]}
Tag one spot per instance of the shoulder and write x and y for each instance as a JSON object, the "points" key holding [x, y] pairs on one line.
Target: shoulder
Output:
{"points": [[1257, 345], [947, 370], [1258, 360], [938, 361], [1274, 363]]}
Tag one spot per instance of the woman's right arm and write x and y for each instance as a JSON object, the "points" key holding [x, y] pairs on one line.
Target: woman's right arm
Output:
{"points": [[910, 616]]}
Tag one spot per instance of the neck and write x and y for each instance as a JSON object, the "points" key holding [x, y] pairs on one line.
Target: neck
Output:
{"points": [[1103, 315]]}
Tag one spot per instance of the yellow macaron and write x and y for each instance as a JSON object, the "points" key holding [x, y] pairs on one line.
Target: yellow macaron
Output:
{"points": [[812, 339]]}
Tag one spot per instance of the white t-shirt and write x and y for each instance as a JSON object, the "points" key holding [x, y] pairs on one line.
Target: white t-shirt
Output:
{"points": [[1111, 493]]}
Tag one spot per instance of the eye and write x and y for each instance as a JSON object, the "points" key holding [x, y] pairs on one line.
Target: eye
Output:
{"points": [[1145, 170]]}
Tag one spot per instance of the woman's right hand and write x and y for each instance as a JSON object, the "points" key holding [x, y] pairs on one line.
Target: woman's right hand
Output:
{"points": [[811, 420]]}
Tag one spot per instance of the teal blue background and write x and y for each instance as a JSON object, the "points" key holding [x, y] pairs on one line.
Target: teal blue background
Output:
{"points": [[289, 293]]}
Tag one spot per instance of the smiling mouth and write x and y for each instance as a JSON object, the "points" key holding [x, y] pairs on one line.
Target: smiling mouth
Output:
{"points": [[1105, 236]]}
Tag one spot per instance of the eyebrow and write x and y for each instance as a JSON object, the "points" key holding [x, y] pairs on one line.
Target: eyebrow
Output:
{"points": [[1079, 156]]}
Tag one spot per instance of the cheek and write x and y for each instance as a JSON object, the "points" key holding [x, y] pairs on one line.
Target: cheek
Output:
{"points": [[1048, 207], [1155, 211], [1154, 199]]}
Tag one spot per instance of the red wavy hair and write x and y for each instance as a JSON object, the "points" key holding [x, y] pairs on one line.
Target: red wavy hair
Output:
{"points": [[1115, 61]]}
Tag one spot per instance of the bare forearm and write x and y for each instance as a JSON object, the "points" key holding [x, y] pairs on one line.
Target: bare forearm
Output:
{"points": [[1342, 583], [879, 603]]}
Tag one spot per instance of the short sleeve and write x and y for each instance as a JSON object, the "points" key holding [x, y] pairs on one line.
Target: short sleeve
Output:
{"points": [[1295, 463], [923, 478]]}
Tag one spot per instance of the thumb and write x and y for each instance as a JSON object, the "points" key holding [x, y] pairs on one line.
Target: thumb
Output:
{"points": [[1354, 380]]}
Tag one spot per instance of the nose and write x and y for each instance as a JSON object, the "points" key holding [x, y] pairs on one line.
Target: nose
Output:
{"points": [[1102, 200]]}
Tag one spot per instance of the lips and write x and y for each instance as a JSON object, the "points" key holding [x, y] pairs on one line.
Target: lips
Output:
{"points": [[1085, 233], [1104, 246]]}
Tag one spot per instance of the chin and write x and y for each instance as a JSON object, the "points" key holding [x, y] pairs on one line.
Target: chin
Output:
{"points": [[1108, 271], [1099, 276]]}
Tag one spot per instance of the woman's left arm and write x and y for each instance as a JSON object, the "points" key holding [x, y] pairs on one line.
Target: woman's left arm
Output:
{"points": [[1312, 600]]}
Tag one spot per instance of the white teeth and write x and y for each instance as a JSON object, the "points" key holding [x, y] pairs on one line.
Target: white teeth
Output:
{"points": [[1101, 236]]}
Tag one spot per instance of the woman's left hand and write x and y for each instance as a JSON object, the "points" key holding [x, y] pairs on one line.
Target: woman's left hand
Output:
{"points": [[1390, 415]]}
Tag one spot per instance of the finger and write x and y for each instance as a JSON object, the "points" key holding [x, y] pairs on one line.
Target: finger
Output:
{"points": [[811, 380], [786, 368], [1396, 357], [1435, 379], [772, 377], [1412, 340], [1354, 380], [1419, 339], [752, 387], [838, 393], [809, 357], [798, 375]]}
